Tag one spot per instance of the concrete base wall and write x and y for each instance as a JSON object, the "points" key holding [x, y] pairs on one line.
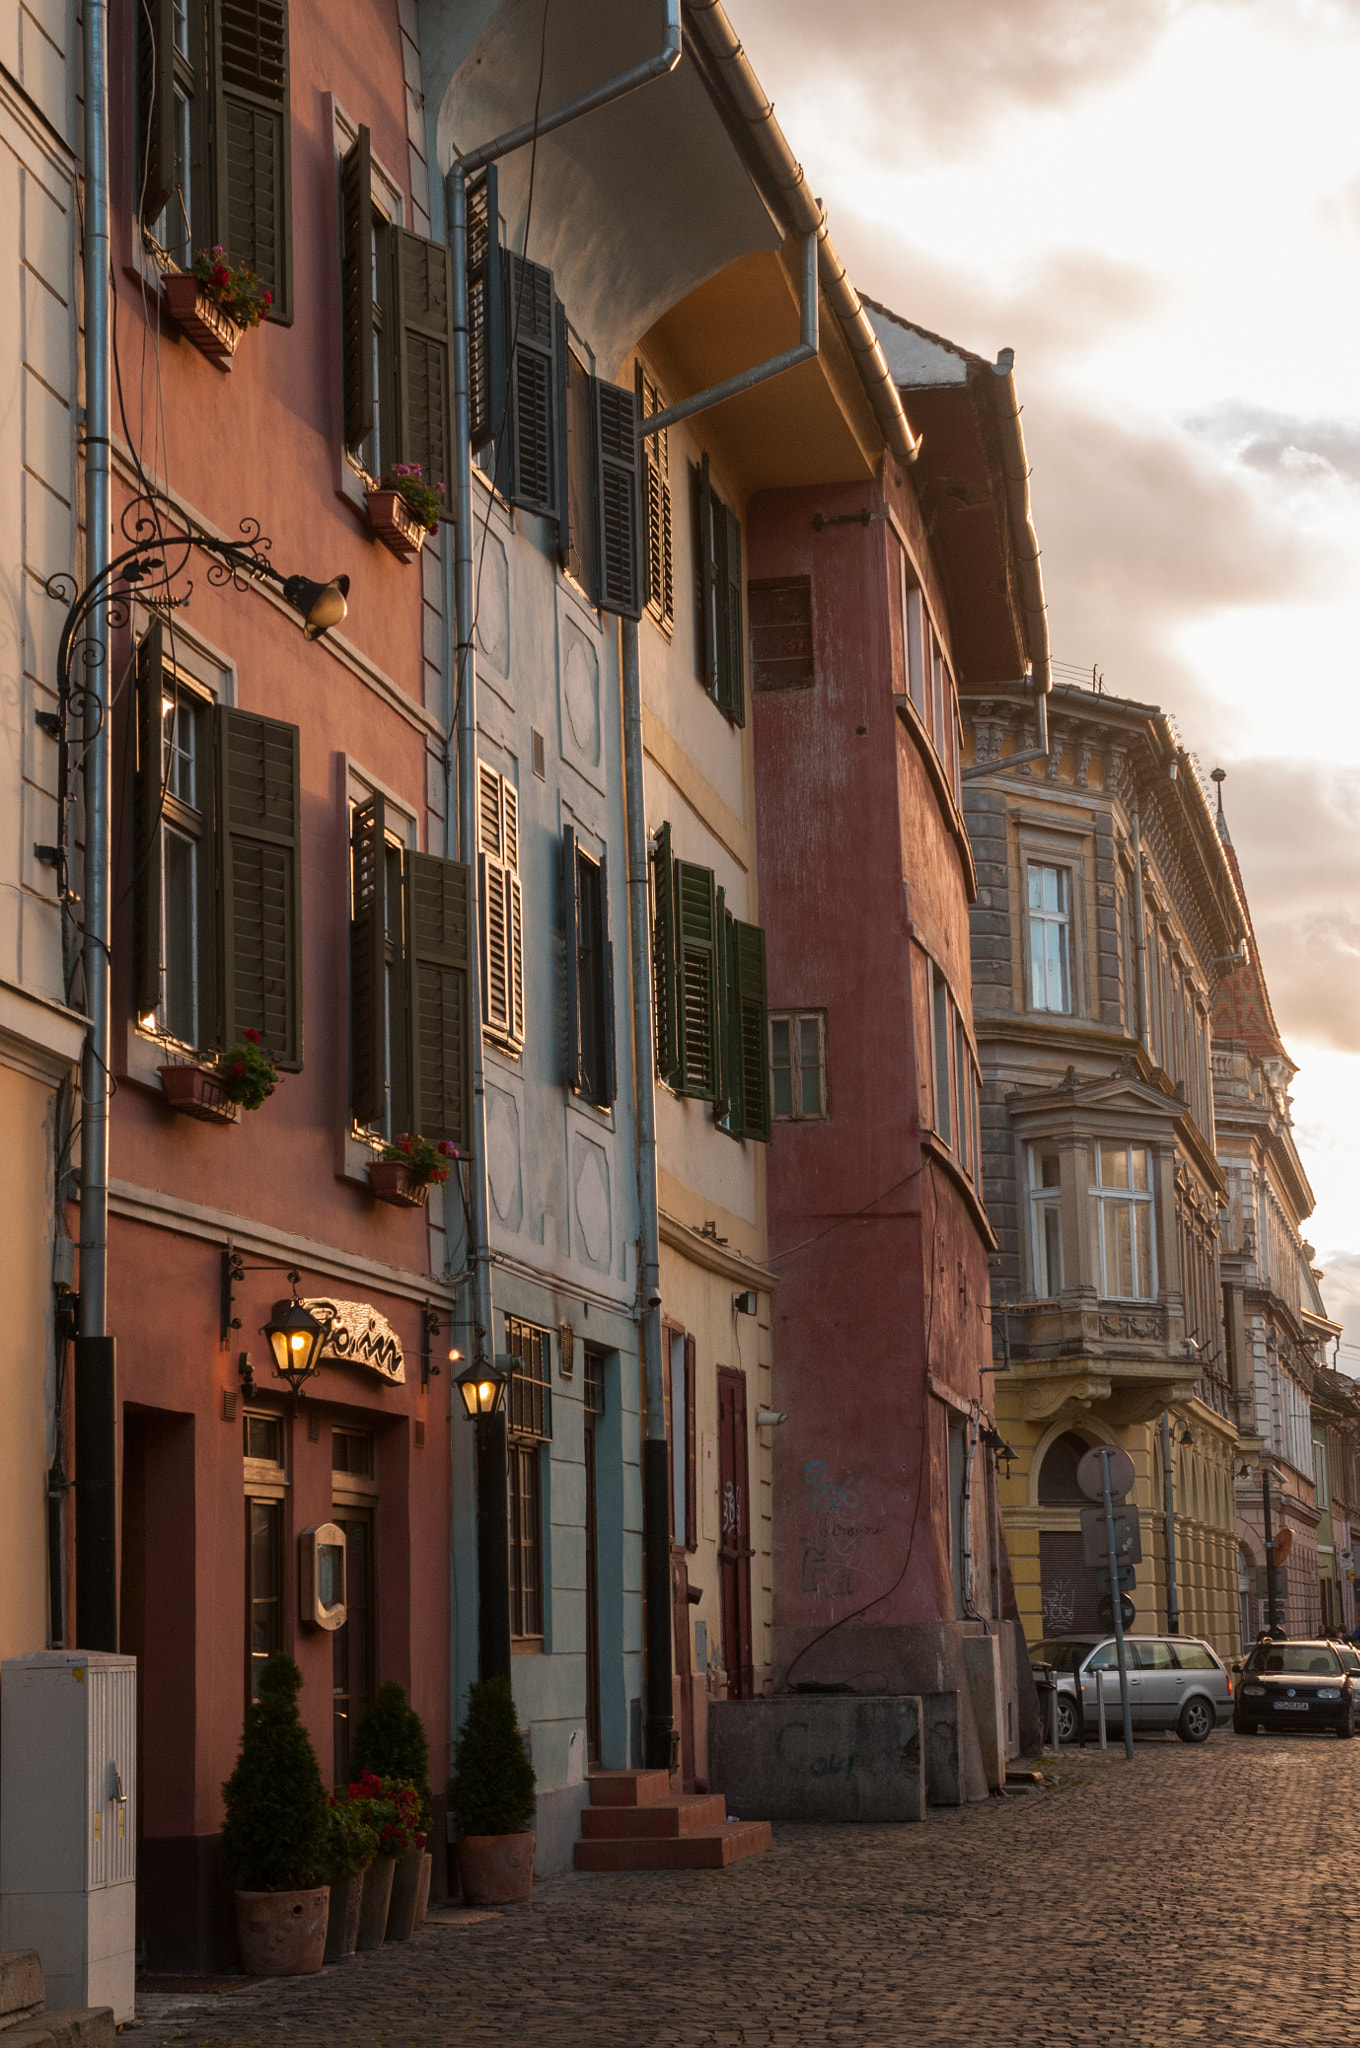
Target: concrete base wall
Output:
{"points": [[823, 1756], [557, 1823]]}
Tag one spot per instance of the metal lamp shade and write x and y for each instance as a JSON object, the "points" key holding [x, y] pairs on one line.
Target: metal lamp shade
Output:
{"points": [[322, 605], [482, 1390], [295, 1338]]}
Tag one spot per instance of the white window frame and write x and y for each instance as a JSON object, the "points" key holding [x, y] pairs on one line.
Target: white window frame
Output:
{"points": [[1104, 1199], [1039, 922], [795, 1019], [1042, 1200]]}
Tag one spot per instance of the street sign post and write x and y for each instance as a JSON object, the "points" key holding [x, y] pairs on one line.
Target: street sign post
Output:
{"points": [[1091, 1472], [1128, 1535], [1112, 1475]]}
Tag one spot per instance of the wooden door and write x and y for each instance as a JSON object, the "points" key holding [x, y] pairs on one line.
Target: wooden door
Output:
{"points": [[734, 1543], [353, 1647], [592, 1597]]}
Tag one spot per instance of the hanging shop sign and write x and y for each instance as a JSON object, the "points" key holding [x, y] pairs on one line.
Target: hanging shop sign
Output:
{"points": [[357, 1335]]}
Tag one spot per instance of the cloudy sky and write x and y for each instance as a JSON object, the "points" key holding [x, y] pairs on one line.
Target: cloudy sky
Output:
{"points": [[1157, 204]]}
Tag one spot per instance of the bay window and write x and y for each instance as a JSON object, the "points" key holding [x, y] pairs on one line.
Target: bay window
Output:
{"points": [[1122, 1219], [1045, 1221]]}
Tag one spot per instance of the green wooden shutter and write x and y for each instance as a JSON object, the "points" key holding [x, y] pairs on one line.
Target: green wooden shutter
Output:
{"points": [[252, 145], [562, 373], [732, 641], [611, 1082], [439, 962], [422, 362], [530, 323], [146, 853], [486, 311], [574, 1074], [356, 289], [752, 1029], [727, 1111], [708, 578], [665, 960], [696, 917], [154, 176], [260, 881], [613, 441], [368, 963]]}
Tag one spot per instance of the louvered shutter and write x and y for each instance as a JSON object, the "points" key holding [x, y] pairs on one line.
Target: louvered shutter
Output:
{"points": [[696, 920], [611, 1084], [574, 1066], [502, 905], [732, 648], [368, 963], [516, 895], [356, 289], [260, 881], [708, 577], [486, 311], [658, 568], [613, 440], [146, 877], [530, 323], [155, 172], [439, 976], [562, 372], [422, 362], [727, 1112], [665, 960], [751, 1020], [252, 146]]}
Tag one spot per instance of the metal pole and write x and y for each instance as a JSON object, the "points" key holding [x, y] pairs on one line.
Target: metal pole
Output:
{"points": [[656, 1535], [95, 1388], [1173, 1597], [1100, 1708], [1053, 1713], [1270, 1552], [1116, 1600]]}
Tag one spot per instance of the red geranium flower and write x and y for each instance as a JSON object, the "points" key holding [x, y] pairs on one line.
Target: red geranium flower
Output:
{"points": [[251, 1035]]}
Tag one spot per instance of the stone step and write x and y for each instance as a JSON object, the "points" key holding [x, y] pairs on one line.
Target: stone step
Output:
{"points": [[21, 1985], [85, 2026], [689, 1813], [714, 1849], [629, 1788]]}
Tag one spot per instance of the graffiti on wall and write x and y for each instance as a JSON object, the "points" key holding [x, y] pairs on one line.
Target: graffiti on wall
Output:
{"points": [[838, 1535]]}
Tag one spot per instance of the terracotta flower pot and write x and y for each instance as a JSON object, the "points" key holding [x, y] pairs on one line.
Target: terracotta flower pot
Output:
{"points": [[401, 1914], [201, 320], [377, 1898], [395, 524], [392, 1180], [423, 1892], [199, 1092], [497, 1870], [342, 1931], [282, 1934]]}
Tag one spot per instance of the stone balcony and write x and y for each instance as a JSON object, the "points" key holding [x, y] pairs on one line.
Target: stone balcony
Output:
{"points": [[1120, 1362]]}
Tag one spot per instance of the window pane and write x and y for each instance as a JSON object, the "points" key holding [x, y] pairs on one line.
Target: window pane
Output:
{"points": [[264, 1438], [180, 935], [811, 1083], [1140, 1167], [783, 1092], [264, 1592], [1114, 1166], [1118, 1250], [1046, 1166], [1051, 1245], [1142, 1224]]}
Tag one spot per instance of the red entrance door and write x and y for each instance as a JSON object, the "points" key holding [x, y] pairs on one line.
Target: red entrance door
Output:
{"points": [[734, 1550]]}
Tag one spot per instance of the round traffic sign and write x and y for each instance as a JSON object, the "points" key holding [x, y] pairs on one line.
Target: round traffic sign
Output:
{"points": [[1105, 1611], [1091, 1477]]}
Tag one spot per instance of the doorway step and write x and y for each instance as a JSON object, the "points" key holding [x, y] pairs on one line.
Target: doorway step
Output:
{"points": [[24, 2020], [635, 1822]]}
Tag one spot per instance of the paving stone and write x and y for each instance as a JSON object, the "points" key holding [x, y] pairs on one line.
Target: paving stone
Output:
{"points": [[1193, 1894]]}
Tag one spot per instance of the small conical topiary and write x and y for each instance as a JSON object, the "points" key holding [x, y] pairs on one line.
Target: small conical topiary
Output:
{"points": [[276, 1834], [492, 1787], [390, 1741]]}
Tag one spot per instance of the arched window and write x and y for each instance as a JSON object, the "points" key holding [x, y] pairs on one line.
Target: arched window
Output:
{"points": [[1058, 1473]]}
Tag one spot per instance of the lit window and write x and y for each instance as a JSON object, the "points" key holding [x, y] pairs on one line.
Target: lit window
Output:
{"points": [[1121, 1201], [1050, 938], [798, 1065]]}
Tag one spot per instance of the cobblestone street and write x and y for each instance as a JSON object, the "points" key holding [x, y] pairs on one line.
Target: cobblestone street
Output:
{"points": [[1195, 1894]]}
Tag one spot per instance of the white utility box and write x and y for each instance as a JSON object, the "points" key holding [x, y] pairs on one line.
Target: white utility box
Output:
{"points": [[68, 1822]]}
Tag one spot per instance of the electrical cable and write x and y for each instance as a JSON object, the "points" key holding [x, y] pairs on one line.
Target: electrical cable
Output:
{"points": [[853, 1217]]}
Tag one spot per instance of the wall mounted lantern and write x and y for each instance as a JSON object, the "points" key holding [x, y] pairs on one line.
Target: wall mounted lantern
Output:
{"points": [[295, 1338], [482, 1387]]}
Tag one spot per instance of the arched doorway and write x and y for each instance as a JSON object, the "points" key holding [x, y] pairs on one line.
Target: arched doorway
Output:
{"points": [[1068, 1594]]}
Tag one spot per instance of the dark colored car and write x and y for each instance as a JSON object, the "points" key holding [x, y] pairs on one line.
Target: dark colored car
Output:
{"points": [[1294, 1686]]}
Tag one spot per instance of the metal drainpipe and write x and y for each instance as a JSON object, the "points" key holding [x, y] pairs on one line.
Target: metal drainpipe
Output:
{"points": [[96, 1414], [1140, 932], [493, 1638], [1173, 1597], [760, 373], [656, 1540]]}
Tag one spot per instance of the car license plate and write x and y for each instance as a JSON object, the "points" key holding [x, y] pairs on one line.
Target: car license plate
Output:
{"points": [[1291, 1706]]}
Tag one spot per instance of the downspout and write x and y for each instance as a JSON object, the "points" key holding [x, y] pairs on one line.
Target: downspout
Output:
{"points": [[1173, 1597], [96, 1415], [966, 1525], [494, 1630]]}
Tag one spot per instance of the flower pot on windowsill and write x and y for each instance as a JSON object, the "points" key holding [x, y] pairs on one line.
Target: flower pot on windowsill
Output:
{"points": [[198, 1092], [393, 1181], [395, 524], [201, 320]]}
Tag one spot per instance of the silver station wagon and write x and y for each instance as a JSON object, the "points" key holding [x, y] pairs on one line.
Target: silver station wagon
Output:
{"points": [[1174, 1682]]}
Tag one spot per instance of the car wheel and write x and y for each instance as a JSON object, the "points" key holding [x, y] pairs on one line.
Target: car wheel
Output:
{"points": [[1067, 1719], [1347, 1728], [1196, 1723]]}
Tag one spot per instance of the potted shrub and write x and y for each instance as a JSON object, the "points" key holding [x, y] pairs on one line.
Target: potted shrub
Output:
{"points": [[353, 1845], [215, 302], [410, 1166], [276, 1834], [492, 1795], [241, 1078], [403, 508], [390, 1741]]}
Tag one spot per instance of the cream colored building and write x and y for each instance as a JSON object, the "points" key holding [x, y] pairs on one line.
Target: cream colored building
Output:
{"points": [[40, 1036]]}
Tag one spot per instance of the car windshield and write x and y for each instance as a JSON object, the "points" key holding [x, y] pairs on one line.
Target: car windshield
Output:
{"points": [[1064, 1655], [1349, 1657], [1300, 1660]]}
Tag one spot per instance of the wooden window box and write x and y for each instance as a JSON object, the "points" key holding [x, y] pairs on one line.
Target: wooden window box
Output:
{"points": [[214, 333], [393, 1181], [395, 524], [198, 1092]]}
